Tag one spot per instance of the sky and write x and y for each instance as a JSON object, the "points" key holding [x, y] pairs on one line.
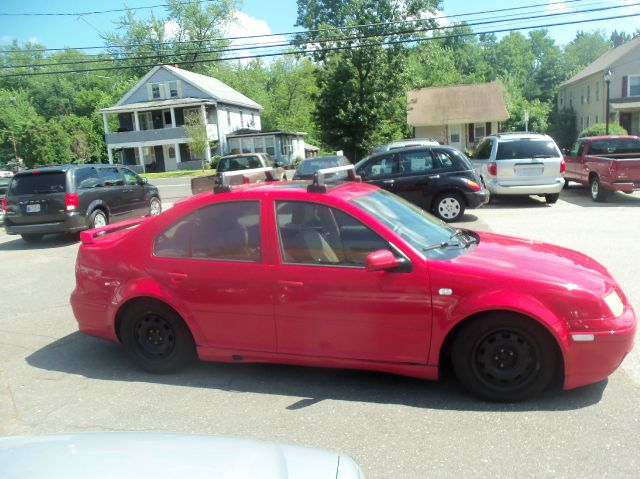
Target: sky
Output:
{"points": [[279, 16]]}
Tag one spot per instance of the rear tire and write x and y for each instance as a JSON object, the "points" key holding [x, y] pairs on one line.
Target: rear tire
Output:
{"points": [[449, 207], [551, 198], [598, 192], [98, 219], [504, 357], [32, 237], [156, 338]]}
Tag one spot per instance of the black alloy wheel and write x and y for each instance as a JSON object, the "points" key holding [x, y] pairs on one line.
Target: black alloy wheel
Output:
{"points": [[504, 358], [156, 338]]}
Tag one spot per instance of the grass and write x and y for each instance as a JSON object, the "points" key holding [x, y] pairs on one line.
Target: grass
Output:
{"points": [[173, 174]]}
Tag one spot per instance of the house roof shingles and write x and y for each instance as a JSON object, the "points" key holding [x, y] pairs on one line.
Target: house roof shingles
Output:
{"points": [[456, 104], [605, 61]]}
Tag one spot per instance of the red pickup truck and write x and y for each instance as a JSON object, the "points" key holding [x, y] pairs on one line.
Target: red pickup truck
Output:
{"points": [[605, 163]]}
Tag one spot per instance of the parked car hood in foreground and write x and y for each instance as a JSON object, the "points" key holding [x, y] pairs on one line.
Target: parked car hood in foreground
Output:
{"points": [[161, 455], [536, 261]]}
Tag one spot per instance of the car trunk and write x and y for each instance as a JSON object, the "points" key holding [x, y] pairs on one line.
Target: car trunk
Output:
{"points": [[527, 162], [37, 197]]}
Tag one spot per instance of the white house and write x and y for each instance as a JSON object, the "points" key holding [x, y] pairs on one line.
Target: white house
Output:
{"points": [[150, 135]]}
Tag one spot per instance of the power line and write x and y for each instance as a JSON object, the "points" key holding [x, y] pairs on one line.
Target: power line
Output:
{"points": [[83, 14], [285, 34], [339, 48], [301, 43]]}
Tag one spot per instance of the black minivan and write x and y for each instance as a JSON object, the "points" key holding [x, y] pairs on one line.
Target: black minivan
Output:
{"points": [[438, 179], [72, 198]]}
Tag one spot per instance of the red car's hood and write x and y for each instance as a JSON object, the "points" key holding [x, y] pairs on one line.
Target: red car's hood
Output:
{"points": [[538, 261]]}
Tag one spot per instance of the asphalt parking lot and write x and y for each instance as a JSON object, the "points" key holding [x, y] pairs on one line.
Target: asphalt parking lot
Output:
{"points": [[53, 379]]}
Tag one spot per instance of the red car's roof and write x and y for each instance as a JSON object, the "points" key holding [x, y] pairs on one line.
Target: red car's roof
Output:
{"points": [[606, 137]]}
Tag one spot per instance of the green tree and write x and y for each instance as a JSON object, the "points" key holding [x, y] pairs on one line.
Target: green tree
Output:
{"points": [[584, 49], [44, 142], [198, 133], [16, 111], [562, 126], [191, 31], [362, 86]]}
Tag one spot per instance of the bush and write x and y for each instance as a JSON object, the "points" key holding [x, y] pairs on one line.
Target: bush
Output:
{"points": [[214, 162], [296, 162], [600, 129]]}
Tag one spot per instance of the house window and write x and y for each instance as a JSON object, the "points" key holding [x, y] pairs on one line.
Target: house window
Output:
{"points": [[173, 89], [155, 91], [167, 118], [588, 118], [588, 94], [258, 144], [172, 152], [247, 146], [234, 145], [582, 123], [596, 121], [634, 85], [241, 119], [597, 93], [252, 123], [479, 131], [270, 145], [228, 118]]}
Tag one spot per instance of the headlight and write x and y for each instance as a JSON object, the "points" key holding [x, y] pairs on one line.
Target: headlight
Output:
{"points": [[615, 303]]}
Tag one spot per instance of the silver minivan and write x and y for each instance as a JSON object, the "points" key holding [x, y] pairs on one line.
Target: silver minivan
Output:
{"points": [[520, 164]]}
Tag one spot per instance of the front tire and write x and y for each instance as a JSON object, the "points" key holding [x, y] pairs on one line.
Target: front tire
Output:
{"points": [[504, 357], [598, 192], [449, 207], [156, 338], [32, 237], [155, 207]]}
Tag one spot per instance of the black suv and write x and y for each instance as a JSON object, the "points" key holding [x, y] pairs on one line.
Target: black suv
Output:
{"points": [[439, 179], [71, 198]]}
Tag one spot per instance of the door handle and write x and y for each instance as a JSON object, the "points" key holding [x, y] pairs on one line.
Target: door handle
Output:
{"points": [[291, 284], [176, 278], [388, 182], [433, 177]]}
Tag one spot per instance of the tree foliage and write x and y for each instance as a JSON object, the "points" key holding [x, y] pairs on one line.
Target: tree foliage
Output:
{"points": [[599, 129]]}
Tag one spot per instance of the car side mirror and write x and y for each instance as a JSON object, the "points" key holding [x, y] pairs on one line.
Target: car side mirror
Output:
{"points": [[143, 181], [381, 260]]}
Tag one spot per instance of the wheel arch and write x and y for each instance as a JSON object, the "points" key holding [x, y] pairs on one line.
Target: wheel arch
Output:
{"points": [[98, 205], [444, 352], [448, 189]]}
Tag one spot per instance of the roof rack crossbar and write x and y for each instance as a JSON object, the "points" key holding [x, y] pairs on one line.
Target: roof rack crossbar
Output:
{"points": [[224, 186], [319, 184]]}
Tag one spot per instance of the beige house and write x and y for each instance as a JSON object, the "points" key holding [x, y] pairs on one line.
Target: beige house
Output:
{"points": [[458, 115], [586, 92]]}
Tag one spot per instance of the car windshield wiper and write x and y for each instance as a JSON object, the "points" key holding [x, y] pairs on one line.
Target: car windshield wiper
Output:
{"points": [[444, 244]]}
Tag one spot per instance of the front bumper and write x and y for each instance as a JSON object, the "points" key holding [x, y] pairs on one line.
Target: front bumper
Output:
{"points": [[500, 187], [73, 222], [475, 199], [592, 360]]}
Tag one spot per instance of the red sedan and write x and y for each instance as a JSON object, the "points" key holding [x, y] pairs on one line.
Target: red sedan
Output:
{"points": [[349, 276]]}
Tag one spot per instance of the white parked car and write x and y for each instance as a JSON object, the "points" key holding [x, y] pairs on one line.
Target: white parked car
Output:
{"points": [[520, 164], [404, 143]]}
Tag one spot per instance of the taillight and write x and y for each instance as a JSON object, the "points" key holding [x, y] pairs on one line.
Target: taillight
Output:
{"points": [[4, 206], [472, 184], [563, 166], [613, 169], [71, 201], [245, 180], [492, 169]]}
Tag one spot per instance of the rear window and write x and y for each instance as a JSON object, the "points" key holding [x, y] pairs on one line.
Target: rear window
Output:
{"points": [[239, 163], [39, 183], [517, 149], [311, 166], [614, 145]]}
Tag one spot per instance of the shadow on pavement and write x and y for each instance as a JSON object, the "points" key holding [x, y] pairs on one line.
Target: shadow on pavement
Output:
{"points": [[102, 360], [498, 202], [47, 242], [581, 196]]}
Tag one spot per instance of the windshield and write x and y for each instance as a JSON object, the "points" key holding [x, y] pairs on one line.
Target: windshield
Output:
{"points": [[417, 227]]}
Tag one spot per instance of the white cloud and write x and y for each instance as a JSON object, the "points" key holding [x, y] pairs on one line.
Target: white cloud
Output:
{"points": [[170, 29], [6, 39], [246, 25], [32, 39], [557, 7]]}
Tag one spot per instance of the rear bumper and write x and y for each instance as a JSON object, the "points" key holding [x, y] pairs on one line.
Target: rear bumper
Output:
{"points": [[627, 187], [92, 315], [497, 188], [476, 199], [590, 361], [73, 222]]}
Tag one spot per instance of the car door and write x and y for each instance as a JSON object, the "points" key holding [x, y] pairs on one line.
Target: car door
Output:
{"points": [[381, 171], [573, 161], [328, 305], [417, 178], [211, 262], [112, 193], [134, 194]]}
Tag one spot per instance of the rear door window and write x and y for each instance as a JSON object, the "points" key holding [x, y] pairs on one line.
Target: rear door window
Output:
{"points": [[387, 165], [518, 149], [38, 183], [87, 178], [112, 176]]}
